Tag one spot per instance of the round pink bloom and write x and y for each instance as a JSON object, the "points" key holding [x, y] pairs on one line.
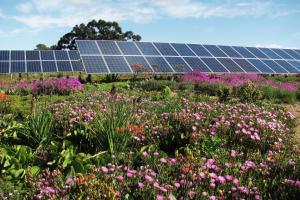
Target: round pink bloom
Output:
{"points": [[155, 154], [148, 178], [156, 185], [222, 180], [159, 197], [177, 185], [212, 198], [194, 128], [145, 154], [173, 160], [233, 153], [235, 181], [104, 169], [129, 174], [163, 160], [163, 189], [120, 178], [140, 185]]}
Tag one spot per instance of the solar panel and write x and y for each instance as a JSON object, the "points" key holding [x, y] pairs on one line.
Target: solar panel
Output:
{"points": [[199, 50], [196, 64], [230, 51], [257, 52], [147, 48], [61, 55], [4, 55], [64, 66], [33, 66], [282, 54], [214, 65], [261, 66], [270, 53], [47, 55], [4, 67], [159, 64], [286, 66], [17, 55], [178, 64], [88, 47], [49, 66], [94, 64], [74, 55], [292, 53], [17, 67], [297, 51], [274, 66], [295, 64], [33, 55], [166, 49], [117, 64], [128, 48], [108, 47], [230, 65], [183, 49], [77, 65], [215, 51], [138, 63], [244, 52]]}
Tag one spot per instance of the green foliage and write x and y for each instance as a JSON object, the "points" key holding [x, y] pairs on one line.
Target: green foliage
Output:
{"points": [[278, 95], [89, 79], [206, 88], [249, 92], [158, 85], [186, 86], [166, 93], [224, 93]]}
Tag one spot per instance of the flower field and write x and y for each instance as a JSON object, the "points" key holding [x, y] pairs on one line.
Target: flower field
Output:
{"points": [[202, 137]]}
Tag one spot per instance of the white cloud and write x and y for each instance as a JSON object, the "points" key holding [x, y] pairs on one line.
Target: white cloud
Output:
{"points": [[25, 7], [67, 13], [274, 45]]}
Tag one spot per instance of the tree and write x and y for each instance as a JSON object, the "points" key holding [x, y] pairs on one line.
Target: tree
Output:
{"points": [[95, 30], [42, 47]]}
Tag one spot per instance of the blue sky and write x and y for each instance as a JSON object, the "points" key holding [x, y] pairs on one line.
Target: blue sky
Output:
{"points": [[270, 23]]}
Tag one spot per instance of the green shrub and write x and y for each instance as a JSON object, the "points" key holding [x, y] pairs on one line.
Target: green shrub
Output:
{"points": [[224, 93], [166, 93], [158, 85], [248, 92], [185, 86], [298, 94], [206, 88], [267, 92], [284, 96]]}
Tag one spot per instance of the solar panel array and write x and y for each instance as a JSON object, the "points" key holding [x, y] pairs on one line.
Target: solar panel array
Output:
{"points": [[105, 57], [39, 61]]}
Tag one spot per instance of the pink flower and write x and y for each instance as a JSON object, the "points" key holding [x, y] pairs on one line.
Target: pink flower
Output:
{"points": [[129, 174], [120, 178], [140, 185], [145, 154], [159, 197], [177, 185], [156, 185], [233, 153], [104, 169], [163, 160], [194, 128], [235, 181], [155, 154], [148, 178]]}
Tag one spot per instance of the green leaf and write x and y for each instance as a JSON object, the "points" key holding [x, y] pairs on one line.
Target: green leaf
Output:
{"points": [[35, 170]]}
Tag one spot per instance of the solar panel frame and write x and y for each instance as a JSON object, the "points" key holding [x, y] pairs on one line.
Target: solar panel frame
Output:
{"points": [[17, 67], [177, 62], [141, 61], [292, 53], [275, 67], [199, 50], [159, 64], [257, 53], [4, 67], [282, 54], [182, 49], [87, 47], [286, 66], [230, 65], [131, 48], [17, 55], [230, 52], [215, 65], [197, 64], [74, 55], [33, 67], [109, 47], [91, 65], [147, 48], [47, 55], [64, 66], [295, 64], [271, 54], [4, 55], [49, 66], [262, 67], [165, 49], [61, 55], [117, 64], [32, 55], [244, 52]]}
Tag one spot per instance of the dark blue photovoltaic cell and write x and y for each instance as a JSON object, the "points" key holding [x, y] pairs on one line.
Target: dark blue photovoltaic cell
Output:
{"points": [[128, 48], [292, 53], [257, 52], [117, 64], [230, 51], [74, 55], [282, 54], [196, 64], [17, 55], [49, 66], [34, 67], [61, 55], [274, 66], [17, 67], [108, 47], [260, 66], [230, 65], [87, 47], [215, 51], [270, 53], [64, 66], [77, 65], [214, 65], [4, 55], [159, 64], [4, 67], [138, 63], [165, 49], [47, 55], [295, 64], [33, 55], [94, 64], [199, 50], [178, 64], [244, 52], [297, 51], [147, 48], [183, 49], [286, 66]]}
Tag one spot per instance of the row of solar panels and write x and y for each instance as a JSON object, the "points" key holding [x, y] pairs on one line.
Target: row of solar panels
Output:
{"points": [[128, 57], [40, 61]]}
